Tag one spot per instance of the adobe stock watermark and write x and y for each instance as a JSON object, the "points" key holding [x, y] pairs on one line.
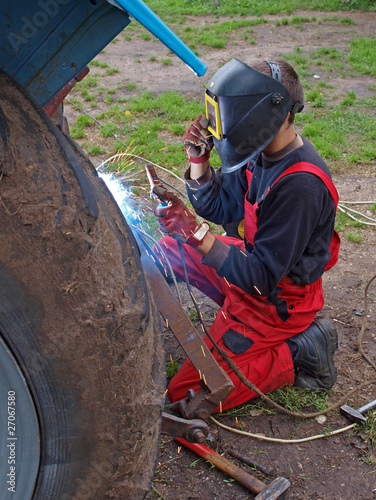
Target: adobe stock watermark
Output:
{"points": [[34, 22]]}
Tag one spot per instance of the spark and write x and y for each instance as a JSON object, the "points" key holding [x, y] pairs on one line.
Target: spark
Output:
{"points": [[199, 372], [203, 352], [167, 323], [203, 376], [224, 315], [194, 197], [257, 290], [227, 282], [241, 251], [220, 406]]}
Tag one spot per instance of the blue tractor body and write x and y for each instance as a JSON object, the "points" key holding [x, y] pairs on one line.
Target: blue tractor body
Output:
{"points": [[46, 43]]}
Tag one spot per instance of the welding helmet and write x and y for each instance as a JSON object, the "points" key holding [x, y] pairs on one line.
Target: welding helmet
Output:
{"points": [[245, 110]]}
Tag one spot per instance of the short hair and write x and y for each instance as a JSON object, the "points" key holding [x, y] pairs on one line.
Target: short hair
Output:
{"points": [[290, 80]]}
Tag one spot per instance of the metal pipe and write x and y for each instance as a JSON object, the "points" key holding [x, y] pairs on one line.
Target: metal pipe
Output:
{"points": [[145, 16]]}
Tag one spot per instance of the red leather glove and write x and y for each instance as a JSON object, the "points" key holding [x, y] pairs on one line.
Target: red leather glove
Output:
{"points": [[198, 141], [179, 222]]}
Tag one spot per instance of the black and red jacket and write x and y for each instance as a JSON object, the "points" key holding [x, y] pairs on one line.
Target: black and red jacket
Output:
{"points": [[295, 220]]}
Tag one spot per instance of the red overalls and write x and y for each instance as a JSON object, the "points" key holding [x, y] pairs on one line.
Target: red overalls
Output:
{"points": [[251, 328]]}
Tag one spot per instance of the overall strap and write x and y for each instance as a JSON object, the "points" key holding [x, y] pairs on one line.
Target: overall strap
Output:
{"points": [[312, 169]]}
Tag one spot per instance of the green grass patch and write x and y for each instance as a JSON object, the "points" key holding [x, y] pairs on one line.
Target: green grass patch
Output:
{"points": [[149, 118], [94, 150], [340, 133], [172, 368], [217, 35], [362, 56], [292, 398], [111, 71], [88, 82], [295, 399], [98, 64], [345, 224], [355, 237], [172, 8]]}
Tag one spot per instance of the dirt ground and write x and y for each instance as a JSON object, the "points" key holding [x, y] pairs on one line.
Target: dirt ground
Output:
{"points": [[340, 467]]}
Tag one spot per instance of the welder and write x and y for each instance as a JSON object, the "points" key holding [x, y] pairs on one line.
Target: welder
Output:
{"points": [[274, 196]]}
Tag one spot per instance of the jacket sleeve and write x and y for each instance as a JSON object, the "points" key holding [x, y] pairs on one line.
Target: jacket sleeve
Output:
{"points": [[218, 197], [295, 227]]}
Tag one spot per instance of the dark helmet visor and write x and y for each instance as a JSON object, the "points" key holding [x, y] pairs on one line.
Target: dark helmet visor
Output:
{"points": [[245, 110]]}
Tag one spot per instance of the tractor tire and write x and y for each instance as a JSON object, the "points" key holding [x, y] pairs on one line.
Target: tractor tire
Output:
{"points": [[81, 360]]}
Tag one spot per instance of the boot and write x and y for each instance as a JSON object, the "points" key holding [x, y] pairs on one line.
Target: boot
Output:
{"points": [[312, 352]]}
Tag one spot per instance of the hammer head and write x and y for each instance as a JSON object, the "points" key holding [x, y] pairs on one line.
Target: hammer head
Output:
{"points": [[275, 490], [352, 414]]}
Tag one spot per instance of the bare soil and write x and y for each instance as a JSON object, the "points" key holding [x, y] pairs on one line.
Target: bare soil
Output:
{"points": [[340, 467]]}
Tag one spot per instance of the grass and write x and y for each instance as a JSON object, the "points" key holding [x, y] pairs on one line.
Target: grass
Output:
{"points": [[341, 126], [362, 57], [172, 368], [172, 8], [217, 35], [339, 123], [292, 398], [368, 433]]}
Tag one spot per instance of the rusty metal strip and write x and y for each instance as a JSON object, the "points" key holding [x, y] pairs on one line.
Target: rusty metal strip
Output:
{"points": [[215, 383]]}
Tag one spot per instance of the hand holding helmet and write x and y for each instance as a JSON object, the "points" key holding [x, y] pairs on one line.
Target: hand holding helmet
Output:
{"points": [[198, 141], [178, 221]]}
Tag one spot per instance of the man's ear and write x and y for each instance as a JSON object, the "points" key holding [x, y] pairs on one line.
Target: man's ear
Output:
{"points": [[287, 118]]}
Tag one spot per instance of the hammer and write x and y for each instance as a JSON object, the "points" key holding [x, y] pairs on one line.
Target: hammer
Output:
{"points": [[357, 415], [273, 491]]}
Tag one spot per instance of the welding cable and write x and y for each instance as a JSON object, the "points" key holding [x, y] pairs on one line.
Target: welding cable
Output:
{"points": [[155, 242], [358, 202], [199, 314], [92, 117], [234, 368], [347, 210], [280, 440]]}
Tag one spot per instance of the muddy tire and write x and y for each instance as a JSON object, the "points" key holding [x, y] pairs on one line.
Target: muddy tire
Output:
{"points": [[78, 319]]}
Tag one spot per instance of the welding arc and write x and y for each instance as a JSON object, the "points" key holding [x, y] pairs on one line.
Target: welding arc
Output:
{"points": [[233, 367]]}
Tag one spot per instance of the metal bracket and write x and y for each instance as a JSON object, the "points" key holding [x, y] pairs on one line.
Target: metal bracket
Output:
{"points": [[194, 431]]}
